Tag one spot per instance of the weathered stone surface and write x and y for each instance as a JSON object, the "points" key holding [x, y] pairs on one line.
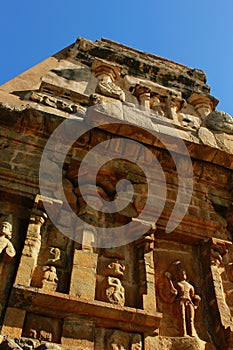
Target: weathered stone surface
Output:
{"points": [[67, 286], [219, 121]]}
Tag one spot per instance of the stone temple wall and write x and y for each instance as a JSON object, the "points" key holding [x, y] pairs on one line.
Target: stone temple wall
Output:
{"points": [[86, 259]]}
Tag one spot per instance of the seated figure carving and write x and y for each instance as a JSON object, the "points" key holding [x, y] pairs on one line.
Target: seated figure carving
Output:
{"points": [[50, 279]]}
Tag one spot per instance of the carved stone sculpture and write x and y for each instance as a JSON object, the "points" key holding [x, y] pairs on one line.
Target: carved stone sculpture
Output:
{"points": [[136, 342], [49, 281], [219, 121], [116, 269], [106, 74], [45, 336], [5, 235], [117, 341], [55, 259], [115, 292], [175, 287], [110, 89]]}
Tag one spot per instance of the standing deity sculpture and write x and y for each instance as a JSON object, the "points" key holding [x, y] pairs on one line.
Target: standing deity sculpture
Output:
{"points": [[175, 287]]}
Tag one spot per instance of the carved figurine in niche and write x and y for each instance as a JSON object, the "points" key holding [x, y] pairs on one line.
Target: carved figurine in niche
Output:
{"points": [[5, 236], [118, 341], [116, 269], [55, 257], [115, 292], [50, 280], [136, 342], [175, 287], [32, 333], [45, 336]]}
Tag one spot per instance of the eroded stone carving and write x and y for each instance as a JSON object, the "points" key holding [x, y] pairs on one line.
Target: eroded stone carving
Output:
{"points": [[117, 341], [115, 269], [107, 73], [115, 292], [5, 236], [143, 95], [217, 250], [50, 280], [55, 103], [45, 336], [219, 121], [136, 342], [175, 287], [55, 259], [203, 104]]}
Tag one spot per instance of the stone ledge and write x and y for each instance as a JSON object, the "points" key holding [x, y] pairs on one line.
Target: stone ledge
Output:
{"points": [[104, 315]]}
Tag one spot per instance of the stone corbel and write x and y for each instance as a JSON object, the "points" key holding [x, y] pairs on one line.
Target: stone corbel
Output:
{"points": [[157, 104], [107, 73], [204, 105], [218, 249], [143, 95], [173, 104]]}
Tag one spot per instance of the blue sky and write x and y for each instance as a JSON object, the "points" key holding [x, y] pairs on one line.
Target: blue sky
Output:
{"points": [[195, 33]]}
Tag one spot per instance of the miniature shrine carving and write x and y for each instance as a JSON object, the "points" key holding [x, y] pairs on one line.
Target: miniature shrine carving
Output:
{"points": [[106, 74]]}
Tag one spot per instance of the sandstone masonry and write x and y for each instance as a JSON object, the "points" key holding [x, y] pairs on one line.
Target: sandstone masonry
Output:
{"points": [[66, 285]]}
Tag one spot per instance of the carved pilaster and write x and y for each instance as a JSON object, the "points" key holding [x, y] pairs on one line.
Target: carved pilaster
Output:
{"points": [[31, 246], [222, 326], [145, 246]]}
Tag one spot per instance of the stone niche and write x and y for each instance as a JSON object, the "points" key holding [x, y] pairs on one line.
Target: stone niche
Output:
{"points": [[42, 328], [53, 269], [171, 260], [116, 280]]}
